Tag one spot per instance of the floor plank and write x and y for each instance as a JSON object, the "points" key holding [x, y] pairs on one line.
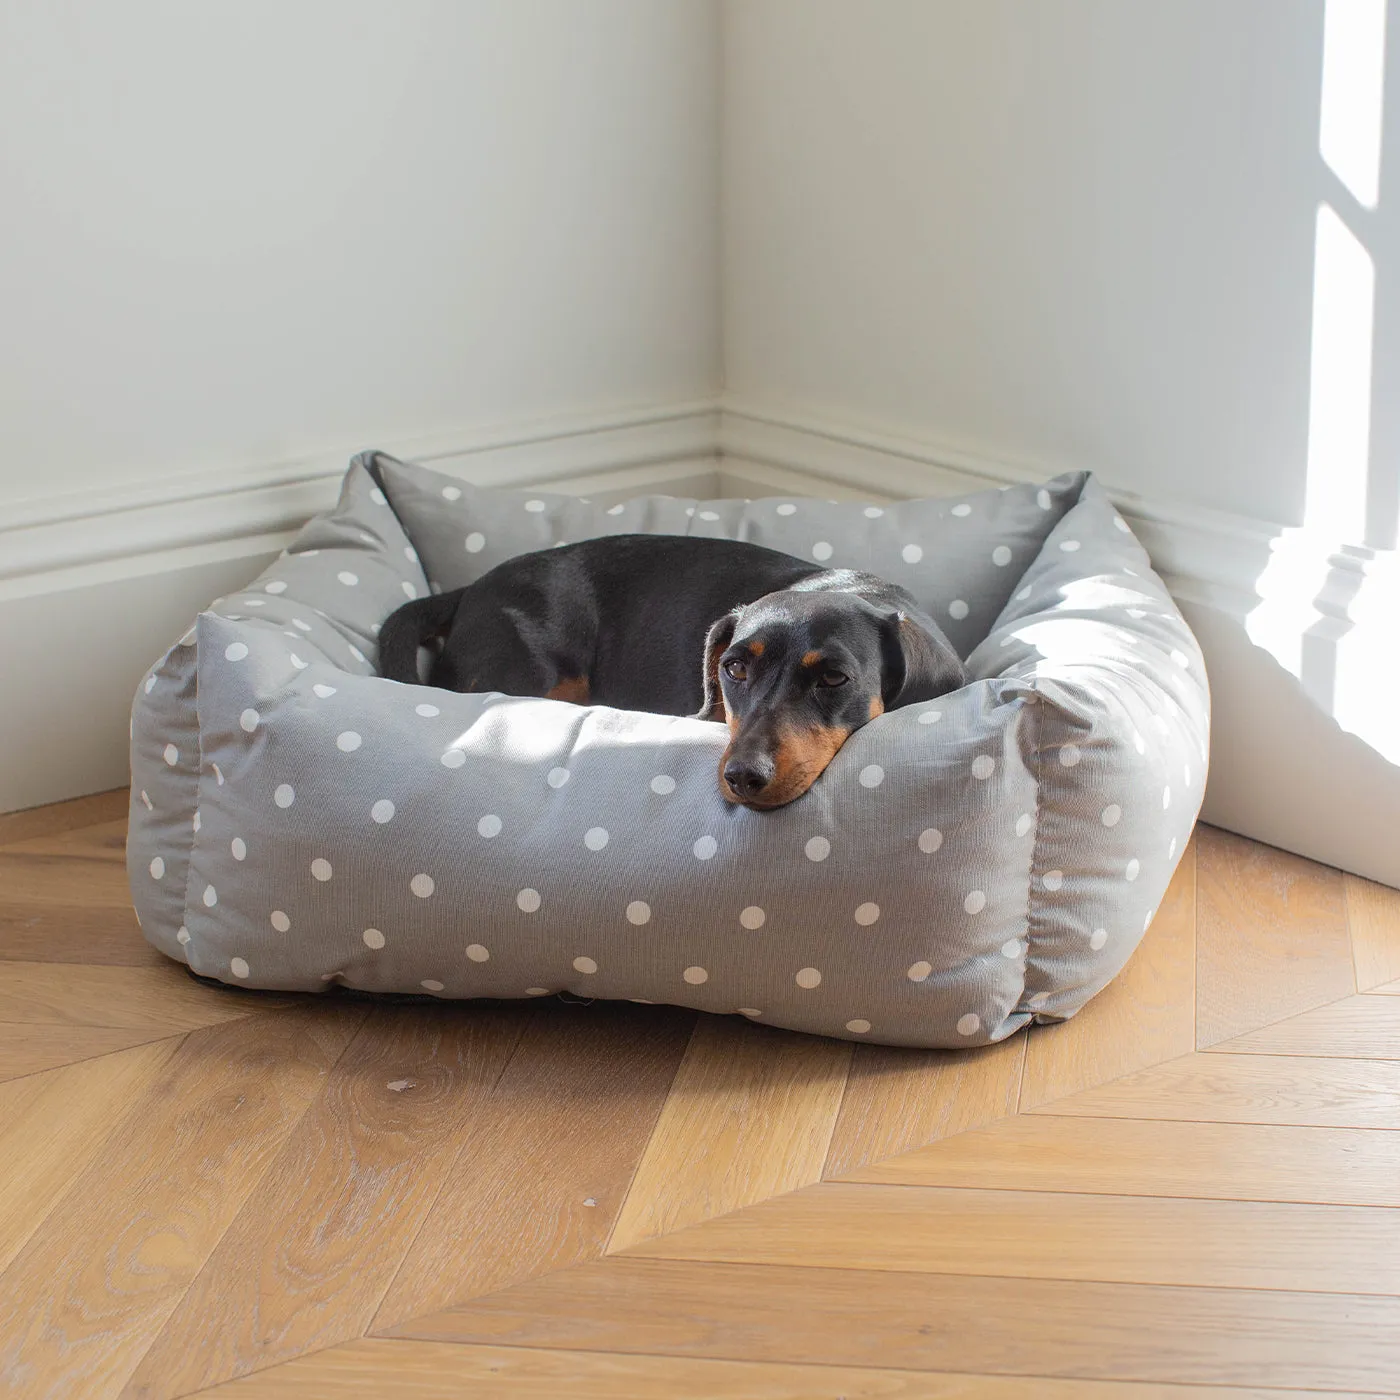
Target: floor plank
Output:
{"points": [[1217, 1088], [305, 1263], [68, 911], [53, 1124], [514, 1204], [1147, 1157], [1145, 1016], [751, 1114], [34, 1049], [372, 1370], [64, 816], [899, 1099], [938, 1322], [1056, 1235], [63, 875], [64, 899], [1272, 936], [1357, 1027], [103, 843], [95, 1282], [1373, 912], [163, 998], [70, 934]]}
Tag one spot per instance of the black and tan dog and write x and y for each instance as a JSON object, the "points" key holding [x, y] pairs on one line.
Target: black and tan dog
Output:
{"points": [[795, 658]]}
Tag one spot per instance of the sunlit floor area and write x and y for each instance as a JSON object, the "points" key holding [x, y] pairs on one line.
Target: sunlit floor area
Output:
{"points": [[1188, 1191]]}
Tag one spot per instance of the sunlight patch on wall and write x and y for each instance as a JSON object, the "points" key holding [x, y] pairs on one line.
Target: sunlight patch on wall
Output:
{"points": [[1353, 90], [1339, 404]]}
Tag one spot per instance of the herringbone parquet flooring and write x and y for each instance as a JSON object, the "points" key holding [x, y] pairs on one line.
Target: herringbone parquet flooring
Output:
{"points": [[1189, 1191]]}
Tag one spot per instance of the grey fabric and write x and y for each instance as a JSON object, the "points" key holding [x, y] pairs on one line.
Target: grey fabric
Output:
{"points": [[964, 866]]}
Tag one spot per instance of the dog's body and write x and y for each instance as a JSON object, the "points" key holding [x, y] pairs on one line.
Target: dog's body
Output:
{"points": [[793, 656]]}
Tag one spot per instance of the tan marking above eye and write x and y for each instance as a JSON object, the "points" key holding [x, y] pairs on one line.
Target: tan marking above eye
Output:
{"points": [[755, 648], [812, 658]]}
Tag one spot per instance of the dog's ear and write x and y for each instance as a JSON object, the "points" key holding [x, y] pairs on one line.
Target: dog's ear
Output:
{"points": [[920, 661], [717, 640]]}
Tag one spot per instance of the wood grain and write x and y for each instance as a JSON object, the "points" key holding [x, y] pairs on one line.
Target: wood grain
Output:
{"points": [[1271, 935], [1050, 1235], [34, 1049], [1388, 989], [67, 902], [64, 816], [898, 1099], [163, 998], [104, 843], [1026, 1327], [1146, 1157], [750, 1114], [549, 1155], [73, 934], [1216, 1088], [64, 874], [307, 1260], [373, 1370], [92, 1286], [1357, 1027], [1143, 1017], [1373, 912], [52, 1125]]}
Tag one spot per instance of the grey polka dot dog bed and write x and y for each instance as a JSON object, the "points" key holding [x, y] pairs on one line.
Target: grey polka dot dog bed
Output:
{"points": [[964, 865]]}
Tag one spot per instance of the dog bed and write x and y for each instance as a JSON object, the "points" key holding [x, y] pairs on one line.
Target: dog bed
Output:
{"points": [[963, 867]]}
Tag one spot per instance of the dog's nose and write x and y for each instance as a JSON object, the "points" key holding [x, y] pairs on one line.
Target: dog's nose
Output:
{"points": [[746, 779]]}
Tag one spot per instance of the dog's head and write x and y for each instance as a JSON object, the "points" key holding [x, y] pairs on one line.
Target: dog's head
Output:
{"points": [[795, 673]]}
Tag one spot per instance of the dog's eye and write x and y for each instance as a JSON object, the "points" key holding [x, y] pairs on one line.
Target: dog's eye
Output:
{"points": [[736, 670], [831, 679]]}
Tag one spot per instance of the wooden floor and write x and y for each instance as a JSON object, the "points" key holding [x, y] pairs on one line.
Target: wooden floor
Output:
{"points": [[1189, 1191]]}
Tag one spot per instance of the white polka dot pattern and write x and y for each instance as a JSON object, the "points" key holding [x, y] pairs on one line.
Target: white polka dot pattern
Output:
{"points": [[901, 900]]}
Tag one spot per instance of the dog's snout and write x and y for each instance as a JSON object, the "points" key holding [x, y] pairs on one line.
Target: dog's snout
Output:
{"points": [[747, 779]]}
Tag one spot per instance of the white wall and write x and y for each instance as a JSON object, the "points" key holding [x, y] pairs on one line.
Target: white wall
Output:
{"points": [[1074, 232], [238, 233], [241, 240]]}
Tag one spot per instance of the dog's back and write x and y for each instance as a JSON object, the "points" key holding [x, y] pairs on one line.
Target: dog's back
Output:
{"points": [[615, 621]]}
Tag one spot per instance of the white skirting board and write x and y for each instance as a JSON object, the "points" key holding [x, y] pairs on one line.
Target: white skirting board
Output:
{"points": [[93, 590]]}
